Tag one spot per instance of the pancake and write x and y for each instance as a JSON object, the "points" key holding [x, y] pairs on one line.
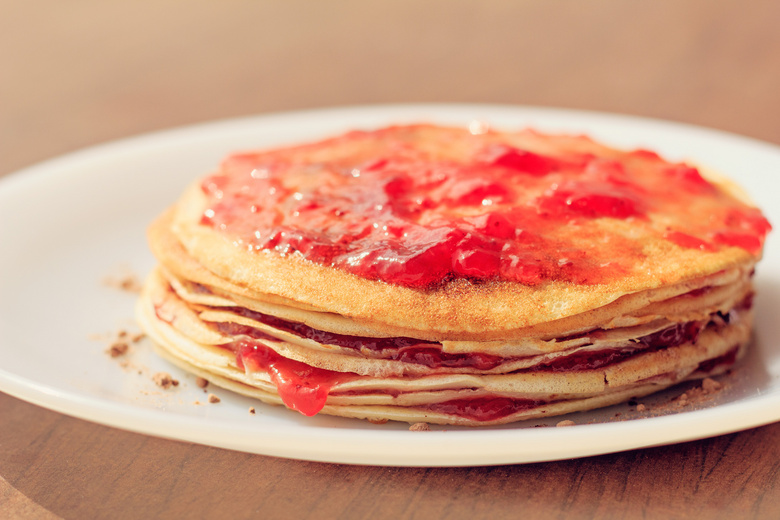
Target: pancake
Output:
{"points": [[425, 273]]}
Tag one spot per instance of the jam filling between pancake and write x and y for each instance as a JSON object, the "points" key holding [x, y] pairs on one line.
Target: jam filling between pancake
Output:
{"points": [[484, 409], [429, 353], [727, 359], [306, 389], [413, 218], [493, 408]]}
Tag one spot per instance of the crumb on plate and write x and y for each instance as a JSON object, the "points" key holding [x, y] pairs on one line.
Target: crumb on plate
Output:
{"points": [[164, 380], [118, 348]]}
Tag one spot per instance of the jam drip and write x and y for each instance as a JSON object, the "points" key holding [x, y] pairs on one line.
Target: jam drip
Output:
{"points": [[418, 218], [302, 387]]}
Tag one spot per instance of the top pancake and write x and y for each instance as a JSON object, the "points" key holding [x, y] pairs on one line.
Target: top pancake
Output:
{"points": [[679, 234]]}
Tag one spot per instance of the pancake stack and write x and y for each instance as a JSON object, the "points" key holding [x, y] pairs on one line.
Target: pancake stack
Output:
{"points": [[453, 275]]}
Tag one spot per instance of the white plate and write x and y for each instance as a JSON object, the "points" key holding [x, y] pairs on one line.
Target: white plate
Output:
{"points": [[67, 224]]}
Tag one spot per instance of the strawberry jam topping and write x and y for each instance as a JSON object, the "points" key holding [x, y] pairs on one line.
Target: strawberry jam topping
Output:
{"points": [[420, 205], [688, 241]]}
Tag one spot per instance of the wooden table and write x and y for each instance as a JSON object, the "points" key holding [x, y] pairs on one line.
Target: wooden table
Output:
{"points": [[80, 73]]}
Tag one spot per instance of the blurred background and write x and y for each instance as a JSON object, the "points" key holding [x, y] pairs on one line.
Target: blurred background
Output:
{"points": [[83, 72]]}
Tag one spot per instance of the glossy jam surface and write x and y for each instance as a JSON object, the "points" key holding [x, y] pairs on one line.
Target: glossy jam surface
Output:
{"points": [[301, 387], [419, 205]]}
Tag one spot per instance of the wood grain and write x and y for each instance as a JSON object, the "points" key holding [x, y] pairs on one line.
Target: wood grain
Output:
{"points": [[76, 74], [12, 502], [77, 470]]}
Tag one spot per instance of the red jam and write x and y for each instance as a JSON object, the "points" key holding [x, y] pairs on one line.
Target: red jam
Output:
{"points": [[305, 388], [406, 350], [302, 387], [484, 409], [429, 353], [688, 241], [727, 359], [420, 205]]}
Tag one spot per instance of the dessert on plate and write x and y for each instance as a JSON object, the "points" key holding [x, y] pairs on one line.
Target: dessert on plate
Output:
{"points": [[453, 275]]}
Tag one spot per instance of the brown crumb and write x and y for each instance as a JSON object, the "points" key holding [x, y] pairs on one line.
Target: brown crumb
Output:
{"points": [[252, 410], [694, 397], [567, 422], [213, 398], [377, 421], [118, 348], [420, 427], [201, 382], [164, 380], [709, 385], [128, 282], [121, 341]]}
